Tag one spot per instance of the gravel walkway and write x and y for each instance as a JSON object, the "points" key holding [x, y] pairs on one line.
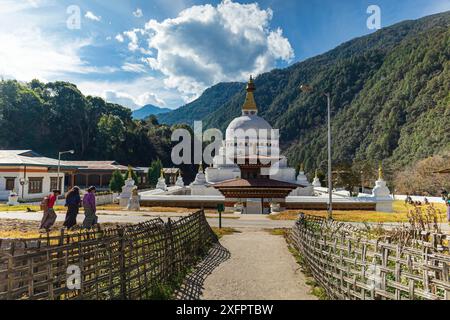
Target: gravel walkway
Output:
{"points": [[260, 267]]}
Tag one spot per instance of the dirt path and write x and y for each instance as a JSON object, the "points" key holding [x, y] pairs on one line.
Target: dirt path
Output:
{"points": [[259, 267]]}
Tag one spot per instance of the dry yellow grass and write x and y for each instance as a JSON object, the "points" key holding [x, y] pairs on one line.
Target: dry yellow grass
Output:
{"points": [[224, 231], [24, 207], [15, 229], [399, 214]]}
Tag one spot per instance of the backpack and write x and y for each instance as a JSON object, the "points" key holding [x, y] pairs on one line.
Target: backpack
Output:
{"points": [[44, 203]]}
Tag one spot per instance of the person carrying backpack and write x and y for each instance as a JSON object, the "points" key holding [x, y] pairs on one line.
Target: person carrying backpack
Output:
{"points": [[47, 204], [73, 203]]}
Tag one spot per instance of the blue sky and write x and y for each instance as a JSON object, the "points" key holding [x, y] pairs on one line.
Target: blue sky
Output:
{"points": [[167, 52]]}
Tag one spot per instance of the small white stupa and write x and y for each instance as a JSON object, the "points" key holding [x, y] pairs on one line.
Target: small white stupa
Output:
{"points": [[306, 189], [162, 182], [127, 189], [199, 186], [200, 178], [179, 182], [134, 201], [301, 178], [382, 193], [316, 182], [13, 199]]}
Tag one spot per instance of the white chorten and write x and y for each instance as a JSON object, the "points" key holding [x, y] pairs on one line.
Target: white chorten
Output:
{"points": [[127, 190], [179, 182], [249, 136], [382, 194], [316, 182], [161, 182]]}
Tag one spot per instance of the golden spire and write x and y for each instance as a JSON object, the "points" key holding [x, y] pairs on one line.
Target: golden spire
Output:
{"points": [[380, 172], [162, 173], [130, 174], [317, 173], [200, 167], [302, 167], [250, 104]]}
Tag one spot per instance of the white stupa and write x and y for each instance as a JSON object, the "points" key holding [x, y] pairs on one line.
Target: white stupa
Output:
{"points": [[127, 189], [179, 182], [382, 193], [200, 186], [316, 182], [161, 182]]}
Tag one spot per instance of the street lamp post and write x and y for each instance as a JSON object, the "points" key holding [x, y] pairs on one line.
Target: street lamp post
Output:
{"points": [[307, 89], [59, 165]]}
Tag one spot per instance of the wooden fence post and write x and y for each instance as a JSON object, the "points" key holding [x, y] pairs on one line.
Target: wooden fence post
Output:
{"points": [[122, 264], [170, 249]]}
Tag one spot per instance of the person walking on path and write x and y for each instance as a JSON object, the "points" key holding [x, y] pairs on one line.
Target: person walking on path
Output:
{"points": [[89, 208], [47, 205], [73, 202]]}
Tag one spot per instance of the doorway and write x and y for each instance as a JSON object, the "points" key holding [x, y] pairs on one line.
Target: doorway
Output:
{"points": [[254, 206]]}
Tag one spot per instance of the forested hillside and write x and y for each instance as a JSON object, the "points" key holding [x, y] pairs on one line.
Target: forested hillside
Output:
{"points": [[51, 117], [211, 99], [390, 98]]}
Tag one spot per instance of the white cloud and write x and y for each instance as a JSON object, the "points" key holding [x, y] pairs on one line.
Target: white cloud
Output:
{"points": [[29, 53], [138, 13], [132, 94], [133, 67], [29, 50], [91, 16], [131, 102], [207, 44], [120, 38]]}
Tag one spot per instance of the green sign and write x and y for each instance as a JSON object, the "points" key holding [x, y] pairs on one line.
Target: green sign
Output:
{"points": [[220, 207]]}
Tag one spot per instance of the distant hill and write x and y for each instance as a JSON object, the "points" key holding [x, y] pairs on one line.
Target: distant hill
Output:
{"points": [[390, 98], [209, 101], [148, 110]]}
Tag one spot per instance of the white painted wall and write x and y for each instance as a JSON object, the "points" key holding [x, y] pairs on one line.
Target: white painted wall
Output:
{"points": [[18, 188]]}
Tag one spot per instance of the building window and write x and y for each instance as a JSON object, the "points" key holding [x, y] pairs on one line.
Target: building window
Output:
{"points": [[35, 185], [54, 183], [10, 184]]}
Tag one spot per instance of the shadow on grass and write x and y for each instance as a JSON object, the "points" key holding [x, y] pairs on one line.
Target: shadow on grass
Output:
{"points": [[192, 287]]}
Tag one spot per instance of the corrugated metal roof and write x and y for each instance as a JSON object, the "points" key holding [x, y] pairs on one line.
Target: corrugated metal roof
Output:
{"points": [[28, 158]]}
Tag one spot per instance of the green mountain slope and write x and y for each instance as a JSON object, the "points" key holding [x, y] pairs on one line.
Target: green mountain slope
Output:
{"points": [[211, 99], [148, 110], [390, 98]]}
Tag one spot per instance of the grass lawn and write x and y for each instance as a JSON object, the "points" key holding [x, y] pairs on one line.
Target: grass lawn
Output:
{"points": [[14, 229], [399, 214], [224, 231], [24, 207]]}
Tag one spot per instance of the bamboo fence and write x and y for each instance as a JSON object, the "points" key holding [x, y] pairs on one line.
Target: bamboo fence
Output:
{"points": [[353, 264], [129, 262]]}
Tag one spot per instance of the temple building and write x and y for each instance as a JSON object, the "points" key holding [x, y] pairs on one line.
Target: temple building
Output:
{"points": [[249, 169], [250, 176]]}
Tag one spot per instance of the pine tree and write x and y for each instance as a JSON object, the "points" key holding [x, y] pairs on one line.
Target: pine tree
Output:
{"points": [[117, 182], [154, 172]]}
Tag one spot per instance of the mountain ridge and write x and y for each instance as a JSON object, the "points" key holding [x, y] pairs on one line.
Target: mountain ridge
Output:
{"points": [[387, 88], [148, 110]]}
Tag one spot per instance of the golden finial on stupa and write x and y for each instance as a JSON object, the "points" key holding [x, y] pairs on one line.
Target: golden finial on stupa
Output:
{"points": [[162, 173], [302, 167], [130, 172], [317, 173], [200, 167], [380, 172], [249, 103]]}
